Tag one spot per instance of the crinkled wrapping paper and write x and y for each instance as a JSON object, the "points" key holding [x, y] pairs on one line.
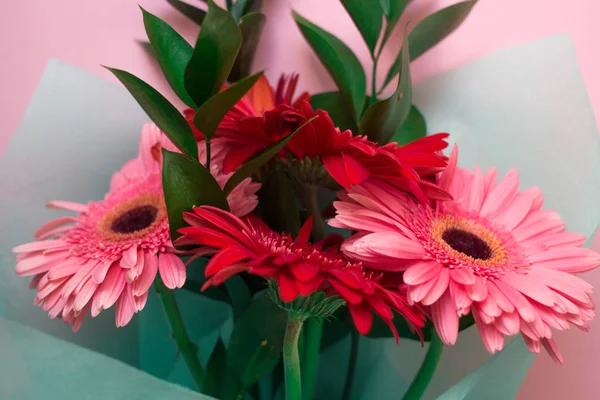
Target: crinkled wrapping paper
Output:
{"points": [[524, 107]]}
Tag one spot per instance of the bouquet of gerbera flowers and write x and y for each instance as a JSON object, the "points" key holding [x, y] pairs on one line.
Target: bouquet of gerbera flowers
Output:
{"points": [[303, 211]]}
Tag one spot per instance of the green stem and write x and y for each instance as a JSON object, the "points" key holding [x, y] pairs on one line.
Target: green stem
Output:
{"points": [[291, 358], [432, 359], [313, 331], [229, 5], [308, 195], [374, 79], [188, 350], [208, 154], [352, 365]]}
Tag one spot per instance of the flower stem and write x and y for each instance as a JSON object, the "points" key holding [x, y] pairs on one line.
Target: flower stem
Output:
{"points": [[352, 365], [308, 195], [291, 358], [374, 79], [208, 154], [313, 331], [432, 359], [188, 350]]}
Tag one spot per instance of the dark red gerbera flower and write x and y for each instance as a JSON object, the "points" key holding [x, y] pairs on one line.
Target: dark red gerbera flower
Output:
{"points": [[349, 160], [259, 99], [298, 267]]}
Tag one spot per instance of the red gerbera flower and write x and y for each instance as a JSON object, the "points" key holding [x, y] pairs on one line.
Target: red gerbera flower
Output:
{"points": [[298, 267], [259, 99], [348, 159]]}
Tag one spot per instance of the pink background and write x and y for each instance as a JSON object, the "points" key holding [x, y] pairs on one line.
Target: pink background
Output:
{"points": [[88, 33]]}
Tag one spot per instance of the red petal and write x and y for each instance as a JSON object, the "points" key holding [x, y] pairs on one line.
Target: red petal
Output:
{"points": [[334, 164], [362, 317], [348, 294], [304, 271], [224, 258], [304, 233], [288, 290], [307, 288], [356, 172]]}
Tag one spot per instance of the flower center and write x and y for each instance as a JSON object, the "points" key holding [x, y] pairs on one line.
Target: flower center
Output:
{"points": [[467, 243], [461, 241], [132, 218], [135, 219]]}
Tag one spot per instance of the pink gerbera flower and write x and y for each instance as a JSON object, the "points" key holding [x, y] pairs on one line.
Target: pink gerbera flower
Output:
{"points": [[492, 251], [112, 250], [298, 267]]}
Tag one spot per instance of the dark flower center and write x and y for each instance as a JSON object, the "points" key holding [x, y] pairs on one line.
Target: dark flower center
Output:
{"points": [[135, 219], [467, 243]]}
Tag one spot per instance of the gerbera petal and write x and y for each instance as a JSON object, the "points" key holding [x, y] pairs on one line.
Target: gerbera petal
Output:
{"points": [[334, 164], [490, 336], [392, 244], [172, 270], [478, 290], [362, 317], [445, 319], [125, 308], [566, 259], [552, 349], [129, 258], [463, 276], [421, 272], [288, 290], [144, 281], [501, 194], [440, 287], [67, 205]]}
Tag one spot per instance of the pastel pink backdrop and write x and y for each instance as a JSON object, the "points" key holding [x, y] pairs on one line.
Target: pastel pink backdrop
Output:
{"points": [[89, 33]]}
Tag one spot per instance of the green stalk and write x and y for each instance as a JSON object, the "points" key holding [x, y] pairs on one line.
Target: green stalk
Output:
{"points": [[229, 5], [291, 358], [352, 365], [432, 359], [208, 154], [188, 350], [374, 79], [313, 331]]}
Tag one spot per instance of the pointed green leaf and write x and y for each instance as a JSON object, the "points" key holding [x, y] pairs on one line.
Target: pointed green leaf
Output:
{"points": [[432, 30], [412, 129], [239, 8], [256, 341], [195, 14], [214, 54], [396, 8], [385, 6], [172, 52], [435, 27], [163, 113], [211, 113], [339, 60], [334, 104], [259, 160], [251, 26], [368, 20], [218, 382], [187, 184], [382, 119]]}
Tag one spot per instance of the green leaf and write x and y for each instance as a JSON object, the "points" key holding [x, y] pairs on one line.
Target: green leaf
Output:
{"points": [[368, 20], [412, 129], [430, 31], [172, 52], [435, 27], [251, 26], [211, 113], [381, 330], [239, 8], [334, 104], [186, 184], [259, 160], [385, 6], [216, 378], [382, 119], [278, 203], [163, 113], [195, 14], [256, 341], [214, 54], [396, 8], [195, 279], [339, 60], [239, 294]]}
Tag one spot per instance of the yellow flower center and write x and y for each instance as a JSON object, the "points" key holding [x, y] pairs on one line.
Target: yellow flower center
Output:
{"points": [[468, 241], [133, 218]]}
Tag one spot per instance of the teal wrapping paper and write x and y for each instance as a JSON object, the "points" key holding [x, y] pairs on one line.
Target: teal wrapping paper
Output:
{"points": [[523, 107]]}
